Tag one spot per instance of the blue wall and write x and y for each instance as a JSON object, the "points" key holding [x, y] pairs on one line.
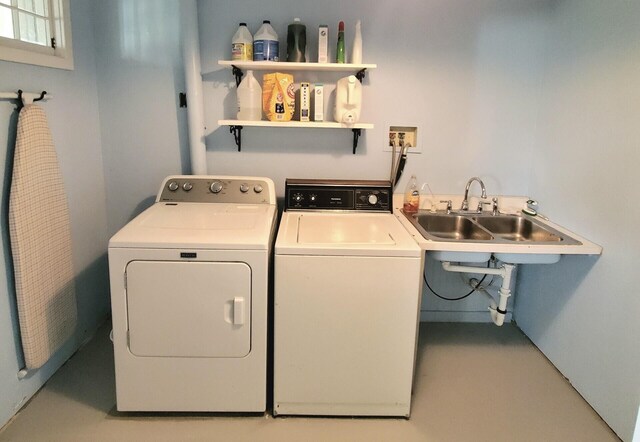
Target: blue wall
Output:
{"points": [[584, 313], [75, 125]]}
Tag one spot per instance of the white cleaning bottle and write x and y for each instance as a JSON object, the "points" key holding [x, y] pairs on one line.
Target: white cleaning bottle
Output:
{"points": [[265, 43], [356, 54], [249, 98], [242, 44], [348, 100], [411, 196]]}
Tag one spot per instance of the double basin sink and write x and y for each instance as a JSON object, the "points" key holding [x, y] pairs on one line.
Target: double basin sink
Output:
{"points": [[485, 228]]}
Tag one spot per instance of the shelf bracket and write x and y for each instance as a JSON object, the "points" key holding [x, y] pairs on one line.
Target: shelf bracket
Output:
{"points": [[360, 74], [237, 135], [237, 72], [356, 136]]}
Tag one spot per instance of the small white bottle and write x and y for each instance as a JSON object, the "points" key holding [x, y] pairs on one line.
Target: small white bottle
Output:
{"points": [[411, 196], [356, 54], [242, 44], [265, 43], [249, 98]]}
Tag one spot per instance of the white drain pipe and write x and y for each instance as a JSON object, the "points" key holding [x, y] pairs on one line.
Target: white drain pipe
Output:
{"points": [[498, 310], [193, 81]]}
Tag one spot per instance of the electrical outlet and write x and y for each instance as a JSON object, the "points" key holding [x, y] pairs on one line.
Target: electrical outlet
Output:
{"points": [[400, 136]]}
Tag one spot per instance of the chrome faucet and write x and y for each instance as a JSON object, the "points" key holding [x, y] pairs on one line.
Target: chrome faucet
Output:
{"points": [[465, 201]]}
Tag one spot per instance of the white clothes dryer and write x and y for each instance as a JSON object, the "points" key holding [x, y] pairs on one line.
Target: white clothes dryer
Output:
{"points": [[189, 295], [347, 301]]}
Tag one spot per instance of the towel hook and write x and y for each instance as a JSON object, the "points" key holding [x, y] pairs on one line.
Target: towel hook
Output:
{"points": [[42, 94]]}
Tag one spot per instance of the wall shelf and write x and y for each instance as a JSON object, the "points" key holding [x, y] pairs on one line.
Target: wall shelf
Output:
{"points": [[239, 66], [289, 66], [236, 126], [298, 124]]}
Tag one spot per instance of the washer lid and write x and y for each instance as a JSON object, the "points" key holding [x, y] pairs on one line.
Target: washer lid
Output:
{"points": [[375, 234], [343, 230], [201, 226]]}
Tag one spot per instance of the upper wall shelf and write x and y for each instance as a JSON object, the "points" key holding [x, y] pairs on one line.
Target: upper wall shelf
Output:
{"points": [[240, 66], [289, 66]]}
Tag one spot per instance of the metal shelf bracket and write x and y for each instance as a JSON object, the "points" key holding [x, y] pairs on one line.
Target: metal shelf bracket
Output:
{"points": [[360, 74], [356, 136], [237, 135], [237, 72]]}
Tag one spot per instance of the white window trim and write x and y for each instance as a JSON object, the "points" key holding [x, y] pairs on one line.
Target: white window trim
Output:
{"points": [[61, 57]]}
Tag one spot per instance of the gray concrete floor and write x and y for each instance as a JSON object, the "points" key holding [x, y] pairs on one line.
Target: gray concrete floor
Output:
{"points": [[474, 382]]}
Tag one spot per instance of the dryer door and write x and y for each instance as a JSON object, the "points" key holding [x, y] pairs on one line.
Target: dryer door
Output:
{"points": [[189, 309]]}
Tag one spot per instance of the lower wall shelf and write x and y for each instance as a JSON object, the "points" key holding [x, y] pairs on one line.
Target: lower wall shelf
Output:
{"points": [[236, 126]]}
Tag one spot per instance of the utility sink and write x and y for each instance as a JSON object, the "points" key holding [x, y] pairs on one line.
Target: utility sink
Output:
{"points": [[489, 229]]}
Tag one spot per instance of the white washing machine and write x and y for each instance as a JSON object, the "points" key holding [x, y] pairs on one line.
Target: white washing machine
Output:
{"points": [[347, 302], [189, 295]]}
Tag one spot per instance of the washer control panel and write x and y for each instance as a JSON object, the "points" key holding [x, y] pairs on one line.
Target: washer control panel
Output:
{"points": [[212, 189], [352, 195]]}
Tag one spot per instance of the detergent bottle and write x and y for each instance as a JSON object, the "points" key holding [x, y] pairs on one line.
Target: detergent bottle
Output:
{"points": [[411, 196], [348, 100]]}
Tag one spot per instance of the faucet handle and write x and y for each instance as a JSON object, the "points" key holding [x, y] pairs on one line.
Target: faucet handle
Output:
{"points": [[481, 204], [449, 205]]}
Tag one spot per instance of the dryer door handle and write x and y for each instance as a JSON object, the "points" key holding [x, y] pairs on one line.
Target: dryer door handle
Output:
{"points": [[238, 310]]}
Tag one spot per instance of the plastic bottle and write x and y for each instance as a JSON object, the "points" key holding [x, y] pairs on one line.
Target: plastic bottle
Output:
{"points": [[340, 52], [411, 196], [356, 52], [249, 98], [242, 44], [296, 41], [265, 43]]}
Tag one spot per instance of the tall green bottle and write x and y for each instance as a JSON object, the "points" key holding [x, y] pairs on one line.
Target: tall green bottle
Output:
{"points": [[340, 52]]}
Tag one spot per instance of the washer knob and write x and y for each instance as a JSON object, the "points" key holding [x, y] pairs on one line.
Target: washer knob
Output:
{"points": [[257, 188], [297, 197], [187, 186], [173, 186], [373, 199], [244, 188], [312, 197], [216, 187]]}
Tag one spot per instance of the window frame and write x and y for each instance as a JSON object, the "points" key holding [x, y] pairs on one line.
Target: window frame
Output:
{"points": [[60, 57]]}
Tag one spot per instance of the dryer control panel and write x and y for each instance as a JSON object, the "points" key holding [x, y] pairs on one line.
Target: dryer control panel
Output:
{"points": [[216, 189], [351, 195]]}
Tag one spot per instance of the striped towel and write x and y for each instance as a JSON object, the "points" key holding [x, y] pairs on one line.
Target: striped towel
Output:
{"points": [[40, 242]]}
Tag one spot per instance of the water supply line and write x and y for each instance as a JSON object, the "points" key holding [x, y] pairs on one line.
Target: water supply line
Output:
{"points": [[193, 82], [497, 309]]}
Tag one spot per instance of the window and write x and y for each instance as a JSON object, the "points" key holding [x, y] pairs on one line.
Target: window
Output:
{"points": [[36, 32]]}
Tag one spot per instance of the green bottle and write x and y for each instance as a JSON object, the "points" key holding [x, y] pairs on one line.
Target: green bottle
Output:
{"points": [[340, 53]]}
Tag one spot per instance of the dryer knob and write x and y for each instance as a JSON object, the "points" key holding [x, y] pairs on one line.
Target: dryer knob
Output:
{"points": [[187, 186], [216, 187], [373, 199], [244, 188], [173, 186], [257, 188]]}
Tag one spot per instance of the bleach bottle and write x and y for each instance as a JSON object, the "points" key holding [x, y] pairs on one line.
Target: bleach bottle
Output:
{"points": [[265, 43], [242, 44], [249, 98]]}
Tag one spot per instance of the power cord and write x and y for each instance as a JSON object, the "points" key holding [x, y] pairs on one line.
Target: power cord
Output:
{"points": [[478, 285]]}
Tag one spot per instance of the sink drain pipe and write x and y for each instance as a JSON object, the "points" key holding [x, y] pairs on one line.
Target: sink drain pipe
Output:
{"points": [[498, 309]]}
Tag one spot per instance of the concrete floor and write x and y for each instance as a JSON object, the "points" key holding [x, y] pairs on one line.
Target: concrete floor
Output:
{"points": [[475, 382]]}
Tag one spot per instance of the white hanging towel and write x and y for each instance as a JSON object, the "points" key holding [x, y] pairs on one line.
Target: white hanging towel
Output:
{"points": [[40, 242]]}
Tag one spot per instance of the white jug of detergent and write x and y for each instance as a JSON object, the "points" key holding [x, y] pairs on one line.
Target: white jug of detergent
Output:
{"points": [[249, 98], [348, 100]]}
